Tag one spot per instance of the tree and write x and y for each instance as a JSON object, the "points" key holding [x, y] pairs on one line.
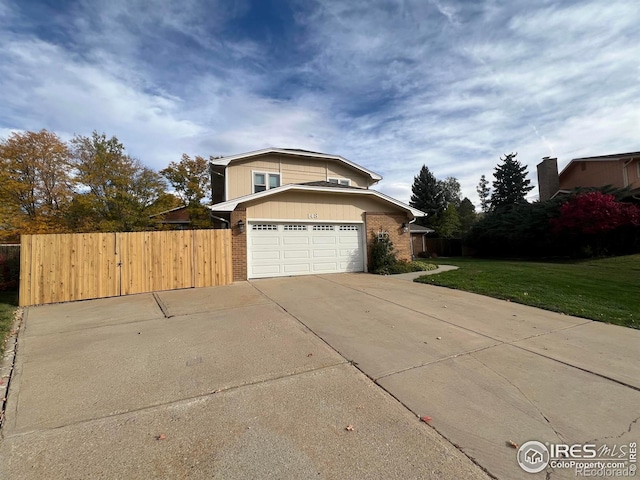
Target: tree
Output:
{"points": [[483, 193], [450, 188], [189, 178], [511, 184], [36, 183], [116, 191], [467, 214], [448, 223], [427, 193]]}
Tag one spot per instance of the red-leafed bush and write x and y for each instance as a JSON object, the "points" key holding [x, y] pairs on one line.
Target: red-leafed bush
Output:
{"points": [[595, 212]]}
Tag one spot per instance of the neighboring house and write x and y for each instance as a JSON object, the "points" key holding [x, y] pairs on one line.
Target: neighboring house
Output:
{"points": [[418, 240], [295, 212], [619, 171], [177, 218]]}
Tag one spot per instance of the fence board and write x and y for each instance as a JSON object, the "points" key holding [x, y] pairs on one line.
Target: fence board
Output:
{"points": [[65, 267]]}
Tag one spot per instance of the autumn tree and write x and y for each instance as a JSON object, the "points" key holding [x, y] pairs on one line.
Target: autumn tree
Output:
{"points": [[484, 194], [116, 190], [190, 179], [36, 182], [511, 184]]}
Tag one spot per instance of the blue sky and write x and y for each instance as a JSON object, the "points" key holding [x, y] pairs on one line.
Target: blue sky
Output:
{"points": [[391, 85]]}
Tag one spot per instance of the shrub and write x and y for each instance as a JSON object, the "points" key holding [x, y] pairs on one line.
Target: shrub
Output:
{"points": [[383, 255], [407, 267]]}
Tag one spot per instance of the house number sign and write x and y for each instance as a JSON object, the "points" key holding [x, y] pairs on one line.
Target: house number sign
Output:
{"points": [[312, 215]]}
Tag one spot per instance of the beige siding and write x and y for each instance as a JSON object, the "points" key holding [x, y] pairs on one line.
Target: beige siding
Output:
{"points": [[292, 170], [317, 206], [592, 174]]}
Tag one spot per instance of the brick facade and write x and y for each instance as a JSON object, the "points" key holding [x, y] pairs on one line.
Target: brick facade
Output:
{"points": [[392, 224], [239, 245]]}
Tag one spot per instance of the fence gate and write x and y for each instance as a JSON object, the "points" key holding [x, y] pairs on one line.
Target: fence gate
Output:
{"points": [[80, 266]]}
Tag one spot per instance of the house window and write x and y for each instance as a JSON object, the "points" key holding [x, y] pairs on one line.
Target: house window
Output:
{"points": [[291, 227], [264, 227], [340, 181], [322, 228], [264, 181]]}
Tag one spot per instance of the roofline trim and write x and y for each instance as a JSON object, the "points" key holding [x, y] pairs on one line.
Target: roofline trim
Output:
{"points": [[224, 161], [231, 205]]}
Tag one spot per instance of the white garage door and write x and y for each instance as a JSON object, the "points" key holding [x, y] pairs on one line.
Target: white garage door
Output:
{"points": [[283, 249]]}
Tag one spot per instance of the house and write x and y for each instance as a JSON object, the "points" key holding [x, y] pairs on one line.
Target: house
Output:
{"points": [[619, 171], [176, 218], [296, 212], [418, 238]]}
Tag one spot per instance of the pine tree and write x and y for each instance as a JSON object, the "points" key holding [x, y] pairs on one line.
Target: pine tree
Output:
{"points": [[427, 193], [467, 215], [483, 193], [511, 183]]}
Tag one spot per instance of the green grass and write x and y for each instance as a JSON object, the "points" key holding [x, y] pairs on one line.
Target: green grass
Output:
{"points": [[607, 290], [8, 305]]}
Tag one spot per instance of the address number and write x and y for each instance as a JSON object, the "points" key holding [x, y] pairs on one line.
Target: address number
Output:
{"points": [[312, 215]]}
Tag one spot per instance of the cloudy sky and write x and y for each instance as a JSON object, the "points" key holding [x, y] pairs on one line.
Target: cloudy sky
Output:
{"points": [[391, 85]]}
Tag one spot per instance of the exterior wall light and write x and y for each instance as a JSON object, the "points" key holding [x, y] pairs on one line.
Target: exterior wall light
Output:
{"points": [[241, 226], [405, 227]]}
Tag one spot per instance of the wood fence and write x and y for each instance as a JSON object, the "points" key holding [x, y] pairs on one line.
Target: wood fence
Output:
{"points": [[80, 266]]}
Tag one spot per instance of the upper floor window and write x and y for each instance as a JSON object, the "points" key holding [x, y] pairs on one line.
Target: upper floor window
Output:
{"points": [[264, 181], [339, 181]]}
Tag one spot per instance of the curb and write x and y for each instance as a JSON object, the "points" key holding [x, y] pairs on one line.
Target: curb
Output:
{"points": [[8, 361]]}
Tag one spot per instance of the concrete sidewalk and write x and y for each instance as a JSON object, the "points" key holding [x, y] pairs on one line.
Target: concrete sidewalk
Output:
{"points": [[205, 383], [488, 372]]}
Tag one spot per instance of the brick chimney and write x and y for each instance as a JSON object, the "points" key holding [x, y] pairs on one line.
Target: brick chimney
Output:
{"points": [[548, 179]]}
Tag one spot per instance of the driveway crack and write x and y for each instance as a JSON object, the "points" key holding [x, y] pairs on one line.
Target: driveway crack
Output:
{"points": [[558, 434]]}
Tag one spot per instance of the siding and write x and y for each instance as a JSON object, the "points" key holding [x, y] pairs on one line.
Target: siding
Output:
{"points": [[592, 174], [292, 170], [327, 206]]}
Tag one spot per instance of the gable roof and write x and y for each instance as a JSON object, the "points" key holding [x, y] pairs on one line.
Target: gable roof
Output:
{"points": [[602, 158], [224, 161], [231, 205]]}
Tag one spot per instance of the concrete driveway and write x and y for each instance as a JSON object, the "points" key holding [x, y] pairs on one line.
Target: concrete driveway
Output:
{"points": [[261, 380]]}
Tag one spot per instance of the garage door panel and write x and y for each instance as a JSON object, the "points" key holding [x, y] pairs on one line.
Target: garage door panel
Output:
{"points": [[283, 249], [296, 254], [295, 241], [266, 270], [323, 240], [297, 268], [325, 267], [268, 239], [265, 255], [325, 253]]}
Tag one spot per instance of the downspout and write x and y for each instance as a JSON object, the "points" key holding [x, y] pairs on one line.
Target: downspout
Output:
{"points": [[224, 220]]}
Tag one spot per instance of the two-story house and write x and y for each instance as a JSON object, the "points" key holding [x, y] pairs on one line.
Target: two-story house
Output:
{"points": [[618, 170], [295, 212]]}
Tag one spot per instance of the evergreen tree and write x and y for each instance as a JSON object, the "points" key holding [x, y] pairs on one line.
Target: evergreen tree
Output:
{"points": [[427, 193], [511, 184], [467, 215], [483, 193]]}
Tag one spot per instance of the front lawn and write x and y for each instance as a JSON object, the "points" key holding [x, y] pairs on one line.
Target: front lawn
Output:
{"points": [[8, 305], [606, 289]]}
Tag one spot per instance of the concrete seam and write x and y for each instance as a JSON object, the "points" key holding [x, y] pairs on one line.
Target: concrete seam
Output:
{"points": [[619, 382], [10, 360], [355, 365], [193, 397], [161, 305]]}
